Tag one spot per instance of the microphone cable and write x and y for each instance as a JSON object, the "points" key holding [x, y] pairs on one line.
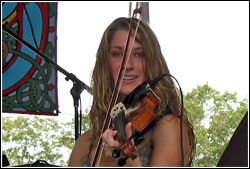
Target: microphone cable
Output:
{"points": [[153, 82]]}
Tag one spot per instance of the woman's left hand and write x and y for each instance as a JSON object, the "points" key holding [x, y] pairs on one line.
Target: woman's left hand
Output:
{"points": [[109, 141], [108, 137]]}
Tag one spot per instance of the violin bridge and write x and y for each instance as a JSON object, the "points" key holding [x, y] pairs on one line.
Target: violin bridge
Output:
{"points": [[117, 108]]}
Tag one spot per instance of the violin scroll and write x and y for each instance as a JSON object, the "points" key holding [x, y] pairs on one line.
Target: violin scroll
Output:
{"points": [[127, 150]]}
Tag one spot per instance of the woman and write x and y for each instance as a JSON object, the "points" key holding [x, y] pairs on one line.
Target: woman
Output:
{"points": [[161, 144]]}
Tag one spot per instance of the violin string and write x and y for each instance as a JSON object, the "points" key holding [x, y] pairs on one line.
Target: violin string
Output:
{"points": [[119, 125]]}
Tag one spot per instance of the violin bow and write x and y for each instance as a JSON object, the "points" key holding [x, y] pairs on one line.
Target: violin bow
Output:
{"points": [[117, 87]]}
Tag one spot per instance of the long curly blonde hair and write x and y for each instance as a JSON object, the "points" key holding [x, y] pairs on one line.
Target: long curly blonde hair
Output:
{"points": [[103, 83]]}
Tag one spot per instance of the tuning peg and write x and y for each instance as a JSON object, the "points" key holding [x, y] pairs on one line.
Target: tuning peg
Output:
{"points": [[122, 161], [116, 153]]}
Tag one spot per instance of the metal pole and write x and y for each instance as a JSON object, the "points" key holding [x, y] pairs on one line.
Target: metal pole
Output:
{"points": [[145, 11]]}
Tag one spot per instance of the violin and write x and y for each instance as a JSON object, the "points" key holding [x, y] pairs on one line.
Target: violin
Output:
{"points": [[138, 108]]}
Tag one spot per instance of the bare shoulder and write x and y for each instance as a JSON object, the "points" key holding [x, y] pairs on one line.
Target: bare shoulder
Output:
{"points": [[167, 125], [169, 120], [86, 136], [166, 140], [80, 149], [83, 141]]}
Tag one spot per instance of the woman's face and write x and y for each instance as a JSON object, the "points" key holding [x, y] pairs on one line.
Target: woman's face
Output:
{"points": [[136, 67]]}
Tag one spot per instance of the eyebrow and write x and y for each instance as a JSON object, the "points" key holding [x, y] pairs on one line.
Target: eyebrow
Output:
{"points": [[119, 47]]}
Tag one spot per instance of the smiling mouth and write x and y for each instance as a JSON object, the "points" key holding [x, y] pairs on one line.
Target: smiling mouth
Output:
{"points": [[129, 77]]}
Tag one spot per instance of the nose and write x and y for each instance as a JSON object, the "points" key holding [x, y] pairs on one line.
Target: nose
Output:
{"points": [[130, 64]]}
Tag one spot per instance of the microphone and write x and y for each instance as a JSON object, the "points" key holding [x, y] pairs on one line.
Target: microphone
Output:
{"points": [[153, 82]]}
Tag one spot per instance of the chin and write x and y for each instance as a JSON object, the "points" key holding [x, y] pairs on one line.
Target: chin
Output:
{"points": [[126, 92]]}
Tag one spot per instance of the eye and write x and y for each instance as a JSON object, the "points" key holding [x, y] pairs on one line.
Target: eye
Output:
{"points": [[117, 54], [139, 54]]}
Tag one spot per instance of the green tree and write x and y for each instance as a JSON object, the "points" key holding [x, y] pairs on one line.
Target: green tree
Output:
{"points": [[26, 140], [215, 117]]}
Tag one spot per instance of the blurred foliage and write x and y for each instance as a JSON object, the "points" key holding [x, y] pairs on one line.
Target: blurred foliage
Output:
{"points": [[26, 140], [215, 117]]}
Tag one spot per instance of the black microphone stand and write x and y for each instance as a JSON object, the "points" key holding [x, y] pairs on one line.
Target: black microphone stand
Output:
{"points": [[78, 85]]}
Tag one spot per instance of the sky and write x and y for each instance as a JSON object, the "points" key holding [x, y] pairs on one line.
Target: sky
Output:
{"points": [[202, 42]]}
